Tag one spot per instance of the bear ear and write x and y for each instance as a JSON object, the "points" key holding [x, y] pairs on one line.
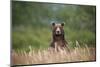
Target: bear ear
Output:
{"points": [[53, 24], [62, 24]]}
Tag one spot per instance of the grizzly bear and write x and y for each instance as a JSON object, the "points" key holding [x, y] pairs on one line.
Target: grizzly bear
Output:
{"points": [[58, 38]]}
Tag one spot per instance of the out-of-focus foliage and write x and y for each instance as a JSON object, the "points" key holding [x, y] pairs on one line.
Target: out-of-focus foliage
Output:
{"points": [[31, 23]]}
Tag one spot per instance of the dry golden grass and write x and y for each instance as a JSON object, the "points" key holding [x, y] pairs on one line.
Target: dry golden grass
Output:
{"points": [[49, 56]]}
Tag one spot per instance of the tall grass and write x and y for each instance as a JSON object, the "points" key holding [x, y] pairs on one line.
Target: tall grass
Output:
{"points": [[50, 56]]}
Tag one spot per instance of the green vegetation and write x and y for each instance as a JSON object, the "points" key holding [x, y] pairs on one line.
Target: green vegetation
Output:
{"points": [[31, 24]]}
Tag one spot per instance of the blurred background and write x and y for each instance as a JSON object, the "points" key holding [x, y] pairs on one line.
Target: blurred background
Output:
{"points": [[31, 24]]}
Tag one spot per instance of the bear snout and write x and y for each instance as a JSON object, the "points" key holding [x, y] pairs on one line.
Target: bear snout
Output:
{"points": [[58, 31]]}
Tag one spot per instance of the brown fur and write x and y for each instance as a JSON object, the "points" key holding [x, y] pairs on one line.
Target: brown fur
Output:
{"points": [[58, 40]]}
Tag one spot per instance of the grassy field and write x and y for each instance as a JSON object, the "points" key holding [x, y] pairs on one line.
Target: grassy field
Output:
{"points": [[32, 32], [48, 56]]}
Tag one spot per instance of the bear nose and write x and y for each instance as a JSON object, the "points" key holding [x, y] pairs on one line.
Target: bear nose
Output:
{"points": [[58, 31]]}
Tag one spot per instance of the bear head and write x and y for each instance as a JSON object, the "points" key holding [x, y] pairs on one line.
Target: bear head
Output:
{"points": [[57, 29]]}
